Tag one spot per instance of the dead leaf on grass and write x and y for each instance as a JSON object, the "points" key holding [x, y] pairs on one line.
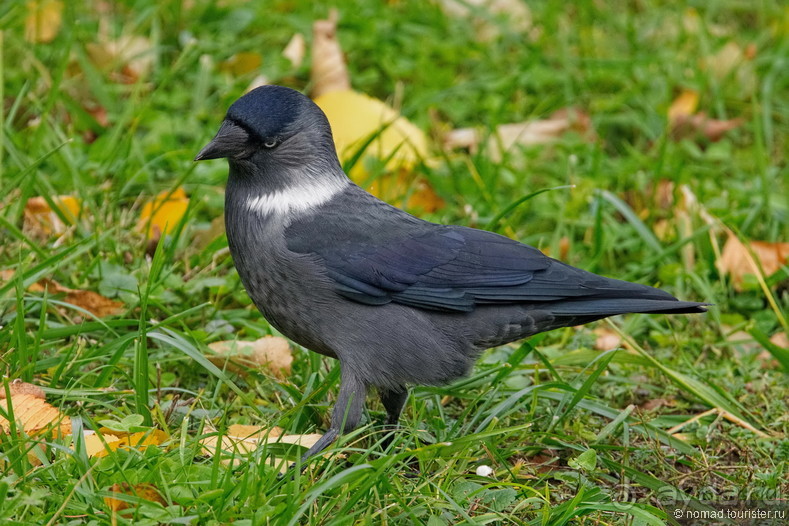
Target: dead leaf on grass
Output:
{"points": [[18, 387], [43, 20], [329, 72], [92, 302], [528, 133], [34, 416], [40, 221], [270, 352], [161, 215], [242, 440], [295, 50], [140, 440], [606, 339], [685, 123], [126, 59], [147, 492], [737, 261]]}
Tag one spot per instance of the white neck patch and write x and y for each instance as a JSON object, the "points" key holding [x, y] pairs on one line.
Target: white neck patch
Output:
{"points": [[294, 199]]}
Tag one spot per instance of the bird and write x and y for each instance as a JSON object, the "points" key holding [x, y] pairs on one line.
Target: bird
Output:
{"points": [[398, 300]]}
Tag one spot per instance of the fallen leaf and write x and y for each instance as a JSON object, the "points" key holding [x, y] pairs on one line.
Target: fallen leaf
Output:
{"points": [[161, 215], [295, 50], [94, 442], [18, 387], [43, 20], [355, 119], [606, 339], [528, 133], [702, 125], [270, 352], [242, 63], [126, 59], [147, 492], [737, 261], [685, 123], [139, 441], [241, 441], [92, 302], [34, 415], [40, 221], [329, 72]]}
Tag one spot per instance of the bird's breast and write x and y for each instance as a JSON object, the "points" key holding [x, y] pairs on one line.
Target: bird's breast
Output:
{"points": [[287, 288]]}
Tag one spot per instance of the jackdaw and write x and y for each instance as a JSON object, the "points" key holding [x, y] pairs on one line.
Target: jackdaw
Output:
{"points": [[397, 300]]}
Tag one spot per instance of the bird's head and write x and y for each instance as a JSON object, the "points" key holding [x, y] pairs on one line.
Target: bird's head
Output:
{"points": [[275, 134]]}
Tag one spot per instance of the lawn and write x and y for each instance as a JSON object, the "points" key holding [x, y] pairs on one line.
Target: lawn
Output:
{"points": [[671, 162]]}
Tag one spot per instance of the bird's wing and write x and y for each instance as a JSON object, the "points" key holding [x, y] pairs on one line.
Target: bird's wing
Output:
{"points": [[447, 268]]}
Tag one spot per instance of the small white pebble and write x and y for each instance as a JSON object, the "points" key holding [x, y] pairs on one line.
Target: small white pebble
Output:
{"points": [[484, 471]]}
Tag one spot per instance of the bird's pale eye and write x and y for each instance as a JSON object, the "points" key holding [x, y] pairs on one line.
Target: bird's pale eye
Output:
{"points": [[270, 142]]}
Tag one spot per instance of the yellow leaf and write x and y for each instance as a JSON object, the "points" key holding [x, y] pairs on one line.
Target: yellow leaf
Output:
{"points": [[162, 215], [271, 352], [143, 491], [43, 20], [241, 440], [242, 63], [33, 415], [41, 221], [94, 442], [683, 106], [139, 441], [355, 118]]}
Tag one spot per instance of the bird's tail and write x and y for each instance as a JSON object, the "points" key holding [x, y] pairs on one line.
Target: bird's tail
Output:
{"points": [[604, 307]]}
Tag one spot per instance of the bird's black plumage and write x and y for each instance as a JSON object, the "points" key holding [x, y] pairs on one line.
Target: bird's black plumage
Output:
{"points": [[396, 299]]}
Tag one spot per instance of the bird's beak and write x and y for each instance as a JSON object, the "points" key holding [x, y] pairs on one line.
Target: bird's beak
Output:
{"points": [[230, 141]]}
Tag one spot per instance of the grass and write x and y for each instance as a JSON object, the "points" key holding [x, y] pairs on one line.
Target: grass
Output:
{"points": [[569, 430]]}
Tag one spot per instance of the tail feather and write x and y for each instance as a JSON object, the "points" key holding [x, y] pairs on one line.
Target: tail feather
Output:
{"points": [[604, 307]]}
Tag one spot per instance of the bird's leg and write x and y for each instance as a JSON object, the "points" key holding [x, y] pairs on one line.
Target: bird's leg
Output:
{"points": [[393, 401], [346, 414]]}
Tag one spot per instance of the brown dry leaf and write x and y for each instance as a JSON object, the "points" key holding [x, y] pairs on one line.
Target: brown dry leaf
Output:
{"points": [[329, 72], [702, 125], [243, 440], [269, 352], [40, 221], [127, 59], [18, 387], [140, 441], [92, 302], [527, 133], [242, 63], [606, 339], [43, 20], [34, 416], [144, 491], [295, 50], [737, 261], [161, 215]]}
